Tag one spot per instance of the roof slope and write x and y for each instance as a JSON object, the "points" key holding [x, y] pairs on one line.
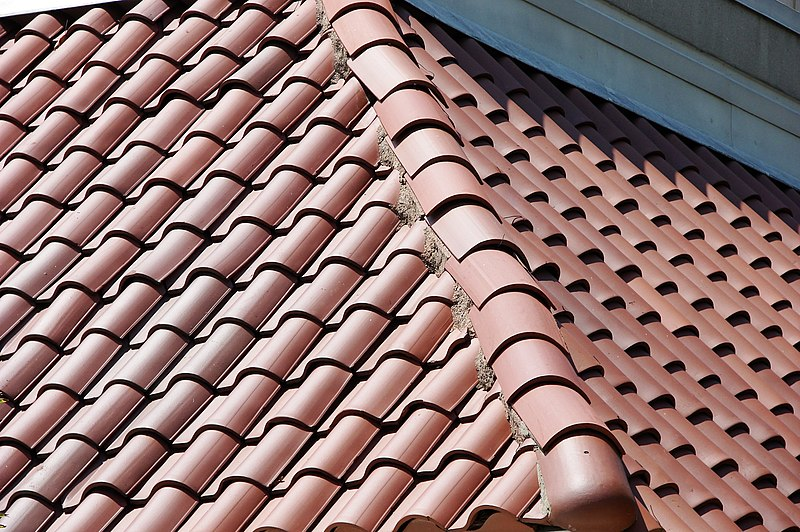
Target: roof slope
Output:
{"points": [[245, 287]]}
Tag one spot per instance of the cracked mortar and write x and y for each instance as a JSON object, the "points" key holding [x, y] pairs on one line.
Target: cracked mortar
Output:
{"points": [[434, 254], [340, 69], [386, 153], [519, 431], [460, 308], [486, 376], [542, 490], [406, 207]]}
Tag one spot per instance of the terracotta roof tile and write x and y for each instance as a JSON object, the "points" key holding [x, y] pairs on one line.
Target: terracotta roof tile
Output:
{"points": [[235, 295]]}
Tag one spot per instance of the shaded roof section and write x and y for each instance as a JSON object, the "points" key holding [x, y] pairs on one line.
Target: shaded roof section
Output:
{"points": [[270, 265]]}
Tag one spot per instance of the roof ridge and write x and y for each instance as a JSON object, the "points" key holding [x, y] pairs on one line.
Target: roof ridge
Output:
{"points": [[579, 461]]}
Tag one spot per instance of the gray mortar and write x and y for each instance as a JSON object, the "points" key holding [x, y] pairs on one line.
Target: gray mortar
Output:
{"points": [[519, 431], [322, 18], [406, 207], [486, 376], [386, 152], [434, 254], [542, 491], [340, 69], [460, 308]]}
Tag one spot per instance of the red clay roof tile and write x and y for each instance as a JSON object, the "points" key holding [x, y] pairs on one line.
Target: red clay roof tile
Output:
{"points": [[222, 303]]}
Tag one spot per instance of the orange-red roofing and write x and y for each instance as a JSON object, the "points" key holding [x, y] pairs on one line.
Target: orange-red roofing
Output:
{"points": [[315, 265]]}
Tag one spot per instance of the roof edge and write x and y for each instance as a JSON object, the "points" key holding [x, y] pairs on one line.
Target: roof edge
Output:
{"points": [[610, 53]]}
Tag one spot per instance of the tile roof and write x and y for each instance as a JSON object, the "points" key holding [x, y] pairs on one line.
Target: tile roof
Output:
{"points": [[289, 265]]}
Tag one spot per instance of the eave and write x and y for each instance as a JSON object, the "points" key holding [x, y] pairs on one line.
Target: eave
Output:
{"points": [[622, 58]]}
